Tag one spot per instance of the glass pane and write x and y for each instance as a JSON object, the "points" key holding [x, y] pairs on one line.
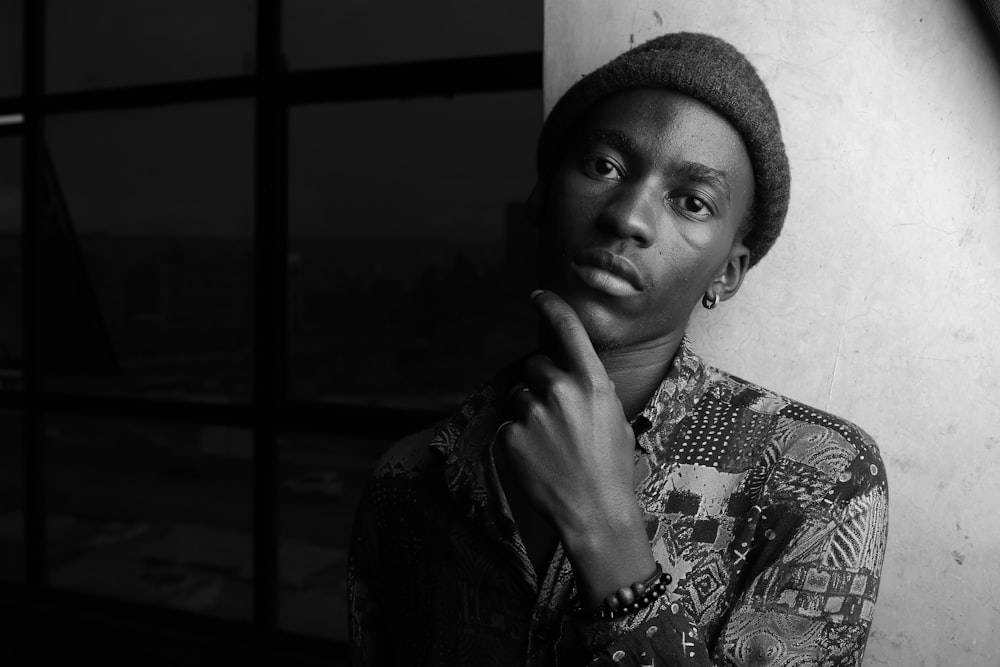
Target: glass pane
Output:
{"points": [[320, 484], [10, 264], [408, 272], [11, 47], [157, 513], [11, 496], [122, 42], [319, 33], [146, 275]]}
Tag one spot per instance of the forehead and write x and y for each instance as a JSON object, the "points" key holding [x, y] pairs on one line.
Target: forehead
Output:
{"points": [[667, 126]]}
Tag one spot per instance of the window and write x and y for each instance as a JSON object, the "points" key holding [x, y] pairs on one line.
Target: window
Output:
{"points": [[318, 33], [147, 257], [184, 538], [118, 43], [11, 47], [406, 291], [261, 240]]}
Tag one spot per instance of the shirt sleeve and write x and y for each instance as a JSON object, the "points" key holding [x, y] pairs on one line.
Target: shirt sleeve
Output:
{"points": [[813, 603], [816, 543]]}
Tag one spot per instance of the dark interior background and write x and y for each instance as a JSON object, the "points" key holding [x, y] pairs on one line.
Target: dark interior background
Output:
{"points": [[244, 246]]}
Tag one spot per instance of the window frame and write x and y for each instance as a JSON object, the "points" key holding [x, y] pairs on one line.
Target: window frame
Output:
{"points": [[269, 412]]}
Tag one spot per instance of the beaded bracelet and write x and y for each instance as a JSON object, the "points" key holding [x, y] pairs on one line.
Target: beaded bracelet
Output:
{"points": [[627, 600]]}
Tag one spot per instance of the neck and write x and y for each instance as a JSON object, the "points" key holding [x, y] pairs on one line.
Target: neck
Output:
{"points": [[638, 371]]}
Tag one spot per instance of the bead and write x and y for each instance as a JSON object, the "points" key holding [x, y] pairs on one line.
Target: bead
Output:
{"points": [[628, 599]]}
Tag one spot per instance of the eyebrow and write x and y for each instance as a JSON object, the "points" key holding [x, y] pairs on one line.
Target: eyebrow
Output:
{"points": [[617, 139], [695, 171]]}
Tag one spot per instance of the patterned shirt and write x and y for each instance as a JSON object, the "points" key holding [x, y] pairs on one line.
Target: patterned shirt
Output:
{"points": [[770, 516]]}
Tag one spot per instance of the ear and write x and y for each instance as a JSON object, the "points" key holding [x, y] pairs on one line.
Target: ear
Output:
{"points": [[533, 211], [730, 277]]}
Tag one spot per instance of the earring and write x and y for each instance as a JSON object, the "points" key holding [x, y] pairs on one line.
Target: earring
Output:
{"points": [[710, 303]]}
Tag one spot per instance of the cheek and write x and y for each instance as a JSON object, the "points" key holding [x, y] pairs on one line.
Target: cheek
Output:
{"points": [[700, 252], [698, 239], [677, 296], [683, 266], [683, 276]]}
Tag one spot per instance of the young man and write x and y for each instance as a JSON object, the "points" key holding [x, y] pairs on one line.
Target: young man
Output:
{"points": [[612, 499]]}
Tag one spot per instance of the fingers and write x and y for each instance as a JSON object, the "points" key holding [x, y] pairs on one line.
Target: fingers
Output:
{"points": [[544, 384], [540, 373], [568, 334], [539, 377], [519, 402]]}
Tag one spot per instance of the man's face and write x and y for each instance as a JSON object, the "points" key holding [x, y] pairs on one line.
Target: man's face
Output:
{"points": [[640, 216]]}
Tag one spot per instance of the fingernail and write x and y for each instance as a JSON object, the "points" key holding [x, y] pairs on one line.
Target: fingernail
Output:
{"points": [[536, 293]]}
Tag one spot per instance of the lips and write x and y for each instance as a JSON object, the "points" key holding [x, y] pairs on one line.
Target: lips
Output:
{"points": [[608, 272]]}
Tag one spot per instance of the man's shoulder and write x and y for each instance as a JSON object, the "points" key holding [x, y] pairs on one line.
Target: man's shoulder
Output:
{"points": [[799, 432]]}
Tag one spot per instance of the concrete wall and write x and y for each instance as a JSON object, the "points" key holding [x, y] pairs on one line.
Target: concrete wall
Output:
{"points": [[881, 300]]}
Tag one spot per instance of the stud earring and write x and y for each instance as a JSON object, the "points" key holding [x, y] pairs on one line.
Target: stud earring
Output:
{"points": [[710, 303]]}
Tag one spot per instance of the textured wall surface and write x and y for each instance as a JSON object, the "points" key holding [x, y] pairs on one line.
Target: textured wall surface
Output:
{"points": [[881, 300]]}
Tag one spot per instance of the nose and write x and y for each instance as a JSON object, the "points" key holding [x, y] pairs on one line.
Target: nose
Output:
{"points": [[632, 213]]}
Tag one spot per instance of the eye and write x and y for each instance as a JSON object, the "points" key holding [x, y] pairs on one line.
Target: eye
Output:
{"points": [[692, 205], [599, 166]]}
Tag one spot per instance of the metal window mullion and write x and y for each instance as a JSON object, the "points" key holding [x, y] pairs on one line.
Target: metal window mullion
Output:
{"points": [[428, 78], [270, 150], [32, 210], [444, 78]]}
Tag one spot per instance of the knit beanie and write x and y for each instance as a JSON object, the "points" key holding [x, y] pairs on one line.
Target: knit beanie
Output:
{"points": [[712, 71]]}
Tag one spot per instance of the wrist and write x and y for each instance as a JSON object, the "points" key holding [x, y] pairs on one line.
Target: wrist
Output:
{"points": [[601, 518], [628, 600], [608, 553]]}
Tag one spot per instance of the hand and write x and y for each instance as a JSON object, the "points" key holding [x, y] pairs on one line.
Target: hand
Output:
{"points": [[571, 449], [570, 445]]}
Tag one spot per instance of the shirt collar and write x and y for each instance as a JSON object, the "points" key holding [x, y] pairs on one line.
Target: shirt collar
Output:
{"points": [[678, 393]]}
